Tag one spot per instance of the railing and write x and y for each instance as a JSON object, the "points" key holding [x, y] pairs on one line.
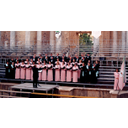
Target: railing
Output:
{"points": [[60, 95]]}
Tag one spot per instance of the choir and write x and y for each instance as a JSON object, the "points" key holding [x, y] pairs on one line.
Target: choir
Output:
{"points": [[54, 68]]}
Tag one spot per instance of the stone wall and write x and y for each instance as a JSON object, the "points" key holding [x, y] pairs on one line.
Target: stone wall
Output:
{"points": [[92, 92]]}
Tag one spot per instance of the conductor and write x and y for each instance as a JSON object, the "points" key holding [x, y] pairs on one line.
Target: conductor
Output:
{"points": [[35, 76]]}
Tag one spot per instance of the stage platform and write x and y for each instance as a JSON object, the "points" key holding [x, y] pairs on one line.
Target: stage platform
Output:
{"points": [[71, 84], [29, 87]]}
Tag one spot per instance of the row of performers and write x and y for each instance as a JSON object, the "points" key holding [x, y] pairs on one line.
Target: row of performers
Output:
{"points": [[60, 72], [53, 59]]}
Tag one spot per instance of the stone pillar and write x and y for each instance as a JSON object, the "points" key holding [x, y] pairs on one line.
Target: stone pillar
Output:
{"points": [[52, 41], [115, 43], [27, 39], [20, 38], [12, 39], [123, 39], [96, 45], [39, 40], [127, 42], [123, 44]]}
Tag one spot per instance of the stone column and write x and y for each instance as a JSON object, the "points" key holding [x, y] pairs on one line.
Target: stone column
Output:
{"points": [[96, 45], [27, 39], [52, 41], [123, 39], [114, 43], [123, 44], [12, 39], [127, 41], [39, 40]]}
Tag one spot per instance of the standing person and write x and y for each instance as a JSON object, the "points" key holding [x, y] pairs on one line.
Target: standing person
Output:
{"points": [[51, 57], [41, 59], [58, 61], [63, 66], [65, 58], [76, 58], [94, 78], [88, 58], [57, 72], [38, 60], [89, 72], [35, 76], [17, 60], [69, 72], [116, 82], [7, 66], [83, 73], [57, 57], [31, 70], [83, 60], [12, 60], [97, 68], [75, 73], [22, 70], [82, 55], [44, 71], [26, 61], [52, 60], [79, 66], [50, 71], [68, 58], [39, 66], [31, 61], [46, 58], [34, 58], [13, 70], [28, 68], [73, 62], [17, 73]]}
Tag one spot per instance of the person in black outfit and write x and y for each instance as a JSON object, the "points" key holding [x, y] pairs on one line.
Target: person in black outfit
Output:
{"points": [[52, 60], [35, 76], [89, 72], [12, 68], [57, 57], [83, 73], [51, 56], [87, 58], [46, 59], [7, 70], [94, 79], [65, 58], [97, 69], [76, 58], [83, 60], [34, 58]]}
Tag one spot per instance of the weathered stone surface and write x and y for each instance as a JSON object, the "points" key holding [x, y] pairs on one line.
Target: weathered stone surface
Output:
{"points": [[92, 92]]}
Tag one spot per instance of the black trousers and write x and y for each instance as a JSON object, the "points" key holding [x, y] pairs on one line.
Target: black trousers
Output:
{"points": [[35, 81]]}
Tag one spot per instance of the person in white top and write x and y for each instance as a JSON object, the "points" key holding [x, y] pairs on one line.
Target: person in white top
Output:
{"points": [[57, 72], [28, 75], [23, 69], [116, 82], [57, 62], [69, 72], [31, 69], [75, 73], [39, 66], [63, 69], [17, 73], [44, 71], [50, 71]]}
